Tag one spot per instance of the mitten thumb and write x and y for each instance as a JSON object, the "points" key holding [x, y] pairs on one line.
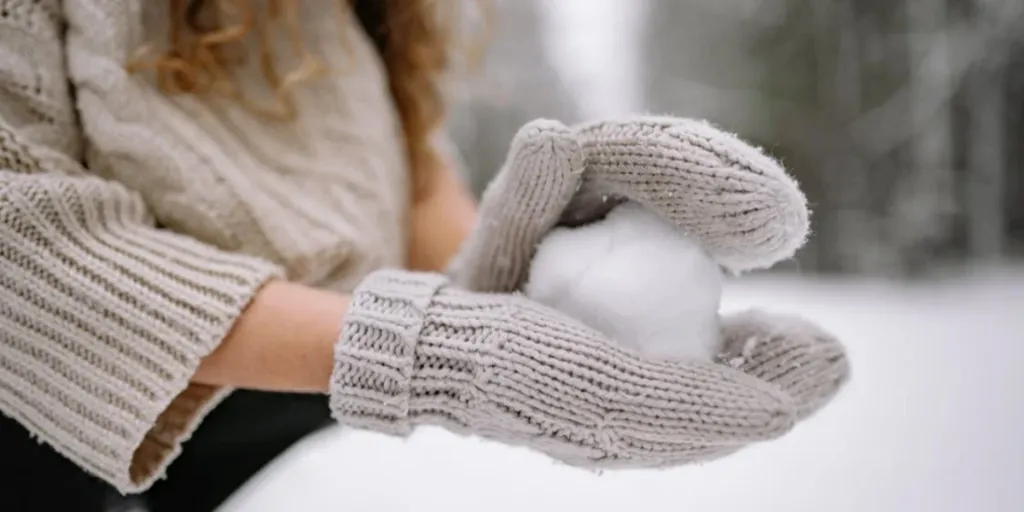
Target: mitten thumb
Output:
{"points": [[525, 200]]}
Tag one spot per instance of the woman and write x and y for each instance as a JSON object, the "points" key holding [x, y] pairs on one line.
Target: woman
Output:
{"points": [[210, 198]]}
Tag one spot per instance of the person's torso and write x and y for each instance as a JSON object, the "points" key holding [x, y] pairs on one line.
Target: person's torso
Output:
{"points": [[324, 195]]}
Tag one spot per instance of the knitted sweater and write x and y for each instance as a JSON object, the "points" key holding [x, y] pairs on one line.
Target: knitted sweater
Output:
{"points": [[135, 226]]}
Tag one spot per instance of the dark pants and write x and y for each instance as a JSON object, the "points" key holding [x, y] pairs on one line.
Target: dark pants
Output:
{"points": [[238, 438]]}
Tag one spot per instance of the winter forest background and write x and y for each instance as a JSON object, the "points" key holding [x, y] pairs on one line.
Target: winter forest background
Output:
{"points": [[903, 120]]}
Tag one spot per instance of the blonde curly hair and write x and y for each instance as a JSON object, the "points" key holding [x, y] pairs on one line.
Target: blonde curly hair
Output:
{"points": [[416, 39]]}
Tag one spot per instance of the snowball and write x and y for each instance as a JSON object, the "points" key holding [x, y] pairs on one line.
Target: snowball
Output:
{"points": [[636, 278]]}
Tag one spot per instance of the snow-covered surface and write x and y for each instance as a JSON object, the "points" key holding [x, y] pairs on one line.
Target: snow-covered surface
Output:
{"points": [[933, 420]]}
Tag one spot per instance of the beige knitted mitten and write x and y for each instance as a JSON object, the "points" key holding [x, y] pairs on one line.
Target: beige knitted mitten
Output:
{"points": [[416, 350], [742, 206], [739, 203]]}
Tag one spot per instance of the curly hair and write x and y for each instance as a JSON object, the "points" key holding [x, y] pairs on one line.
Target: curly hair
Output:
{"points": [[416, 40]]}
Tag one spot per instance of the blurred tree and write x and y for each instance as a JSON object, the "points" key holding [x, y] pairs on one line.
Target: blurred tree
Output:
{"points": [[858, 96], [696, 63], [902, 119], [1014, 192]]}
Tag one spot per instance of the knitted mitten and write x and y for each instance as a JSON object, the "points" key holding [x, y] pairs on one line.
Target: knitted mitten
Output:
{"points": [[790, 352], [417, 351], [542, 174], [739, 203]]}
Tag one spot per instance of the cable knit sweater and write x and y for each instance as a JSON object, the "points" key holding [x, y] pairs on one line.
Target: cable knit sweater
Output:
{"points": [[134, 227]]}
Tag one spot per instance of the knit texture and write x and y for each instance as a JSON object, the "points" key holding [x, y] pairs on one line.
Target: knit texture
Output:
{"points": [[415, 350], [540, 176], [135, 227], [738, 202], [788, 351]]}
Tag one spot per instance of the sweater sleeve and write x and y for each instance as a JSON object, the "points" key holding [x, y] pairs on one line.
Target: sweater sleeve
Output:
{"points": [[103, 317]]}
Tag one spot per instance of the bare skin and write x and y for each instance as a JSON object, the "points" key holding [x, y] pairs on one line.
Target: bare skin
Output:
{"points": [[284, 341]]}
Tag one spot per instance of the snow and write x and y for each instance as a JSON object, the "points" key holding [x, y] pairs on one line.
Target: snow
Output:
{"points": [[635, 277], [932, 421]]}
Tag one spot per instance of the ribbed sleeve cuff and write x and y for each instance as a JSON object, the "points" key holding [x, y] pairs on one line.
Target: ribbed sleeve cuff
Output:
{"points": [[375, 356], [105, 323]]}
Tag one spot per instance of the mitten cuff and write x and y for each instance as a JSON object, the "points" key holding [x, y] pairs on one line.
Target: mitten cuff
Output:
{"points": [[375, 356]]}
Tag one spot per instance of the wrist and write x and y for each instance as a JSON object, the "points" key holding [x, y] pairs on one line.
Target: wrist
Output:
{"points": [[283, 341]]}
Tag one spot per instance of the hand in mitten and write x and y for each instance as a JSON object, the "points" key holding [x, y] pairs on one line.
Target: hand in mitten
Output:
{"points": [[737, 202], [416, 350]]}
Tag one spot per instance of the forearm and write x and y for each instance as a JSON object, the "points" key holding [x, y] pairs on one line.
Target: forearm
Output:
{"points": [[284, 341], [440, 222], [438, 230]]}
